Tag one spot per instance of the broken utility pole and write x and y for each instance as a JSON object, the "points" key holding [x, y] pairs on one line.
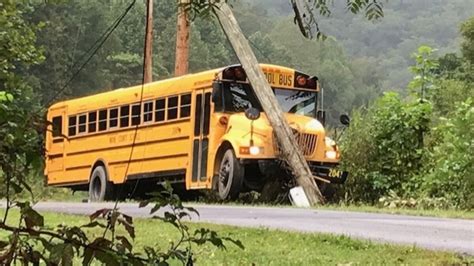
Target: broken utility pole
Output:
{"points": [[290, 151], [182, 40], [148, 64]]}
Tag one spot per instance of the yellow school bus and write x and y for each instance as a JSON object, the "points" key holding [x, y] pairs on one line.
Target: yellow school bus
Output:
{"points": [[190, 130]]}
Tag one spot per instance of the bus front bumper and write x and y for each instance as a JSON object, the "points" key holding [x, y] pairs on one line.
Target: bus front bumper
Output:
{"points": [[329, 173]]}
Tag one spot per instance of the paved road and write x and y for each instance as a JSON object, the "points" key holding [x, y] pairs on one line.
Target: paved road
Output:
{"points": [[433, 233]]}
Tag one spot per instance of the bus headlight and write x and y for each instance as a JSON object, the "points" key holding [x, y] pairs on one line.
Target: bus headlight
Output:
{"points": [[331, 154], [254, 150]]}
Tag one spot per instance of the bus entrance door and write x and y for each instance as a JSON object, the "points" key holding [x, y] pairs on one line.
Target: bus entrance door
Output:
{"points": [[201, 139]]}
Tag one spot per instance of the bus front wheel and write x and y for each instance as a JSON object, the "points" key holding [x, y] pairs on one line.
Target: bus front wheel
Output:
{"points": [[231, 176], [99, 188]]}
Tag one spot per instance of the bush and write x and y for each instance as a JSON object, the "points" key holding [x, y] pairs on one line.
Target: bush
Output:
{"points": [[383, 147], [450, 173]]}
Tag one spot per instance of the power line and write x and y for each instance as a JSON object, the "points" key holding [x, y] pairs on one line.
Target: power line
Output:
{"points": [[94, 48], [145, 78]]}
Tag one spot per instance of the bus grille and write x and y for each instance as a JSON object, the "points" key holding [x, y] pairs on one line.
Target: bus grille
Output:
{"points": [[306, 142]]}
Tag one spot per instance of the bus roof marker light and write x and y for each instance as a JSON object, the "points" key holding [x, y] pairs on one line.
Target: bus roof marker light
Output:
{"points": [[240, 74], [311, 83], [228, 74], [301, 80]]}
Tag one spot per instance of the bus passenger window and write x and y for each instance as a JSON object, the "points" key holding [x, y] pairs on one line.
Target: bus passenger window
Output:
{"points": [[147, 112], [92, 122], [160, 110], [124, 115], [82, 123], [102, 120], [57, 126], [172, 108], [136, 114], [185, 110], [72, 126], [113, 118]]}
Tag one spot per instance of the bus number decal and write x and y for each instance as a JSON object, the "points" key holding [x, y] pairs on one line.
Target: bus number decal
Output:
{"points": [[335, 173]]}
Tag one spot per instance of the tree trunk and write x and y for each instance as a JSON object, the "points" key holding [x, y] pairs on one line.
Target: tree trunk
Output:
{"points": [[290, 151], [148, 71], [182, 41]]}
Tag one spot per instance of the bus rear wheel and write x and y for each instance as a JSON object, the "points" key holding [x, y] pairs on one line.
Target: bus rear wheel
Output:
{"points": [[99, 188], [231, 176]]}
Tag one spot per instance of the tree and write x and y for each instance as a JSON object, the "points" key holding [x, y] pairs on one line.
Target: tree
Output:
{"points": [[467, 46], [29, 240]]}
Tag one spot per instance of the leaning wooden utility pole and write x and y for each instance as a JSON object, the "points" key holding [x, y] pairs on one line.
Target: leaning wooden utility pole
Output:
{"points": [[289, 147], [148, 67], [182, 40]]}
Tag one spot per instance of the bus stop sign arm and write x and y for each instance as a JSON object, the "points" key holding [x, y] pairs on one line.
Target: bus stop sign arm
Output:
{"points": [[290, 152]]}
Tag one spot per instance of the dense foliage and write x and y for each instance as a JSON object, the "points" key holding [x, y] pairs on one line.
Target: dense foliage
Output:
{"points": [[418, 151], [383, 147], [22, 125]]}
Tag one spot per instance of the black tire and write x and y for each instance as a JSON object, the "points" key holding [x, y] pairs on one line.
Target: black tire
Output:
{"points": [[99, 188], [230, 177]]}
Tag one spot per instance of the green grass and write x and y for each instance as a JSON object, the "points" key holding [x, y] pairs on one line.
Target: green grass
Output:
{"points": [[461, 214], [274, 247], [442, 213]]}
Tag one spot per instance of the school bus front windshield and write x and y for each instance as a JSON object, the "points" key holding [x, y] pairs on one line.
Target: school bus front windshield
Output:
{"points": [[238, 97]]}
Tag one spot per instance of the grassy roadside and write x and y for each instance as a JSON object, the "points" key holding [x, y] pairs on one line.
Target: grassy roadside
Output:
{"points": [[441, 213], [264, 246], [58, 194], [460, 214], [66, 195]]}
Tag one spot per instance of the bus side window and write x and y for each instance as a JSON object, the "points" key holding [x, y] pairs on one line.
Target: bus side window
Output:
{"points": [[185, 106], [136, 114], [113, 118], [147, 112], [82, 123], [57, 126], [172, 108], [124, 115], [102, 120], [72, 126], [160, 110], [92, 122]]}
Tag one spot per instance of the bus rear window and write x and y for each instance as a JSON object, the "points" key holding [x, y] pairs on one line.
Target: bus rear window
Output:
{"points": [[57, 126]]}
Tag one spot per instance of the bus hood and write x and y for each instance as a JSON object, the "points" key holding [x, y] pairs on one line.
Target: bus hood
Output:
{"points": [[298, 122]]}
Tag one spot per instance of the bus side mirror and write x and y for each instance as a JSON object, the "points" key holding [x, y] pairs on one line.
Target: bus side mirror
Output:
{"points": [[345, 119], [321, 116]]}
